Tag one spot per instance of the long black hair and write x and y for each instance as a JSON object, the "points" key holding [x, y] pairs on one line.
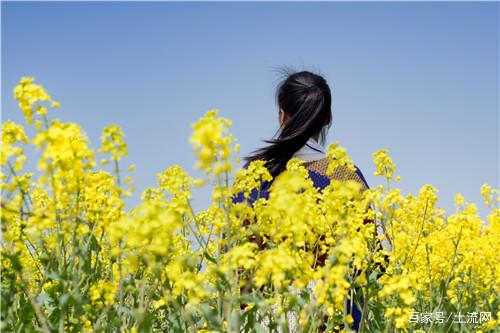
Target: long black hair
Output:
{"points": [[306, 100]]}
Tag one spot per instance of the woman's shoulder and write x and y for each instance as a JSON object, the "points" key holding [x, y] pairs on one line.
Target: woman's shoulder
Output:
{"points": [[319, 167]]}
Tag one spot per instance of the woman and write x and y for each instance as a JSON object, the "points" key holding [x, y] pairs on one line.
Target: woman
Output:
{"points": [[305, 115]]}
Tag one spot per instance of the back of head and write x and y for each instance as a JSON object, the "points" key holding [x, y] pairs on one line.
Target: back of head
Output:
{"points": [[305, 99]]}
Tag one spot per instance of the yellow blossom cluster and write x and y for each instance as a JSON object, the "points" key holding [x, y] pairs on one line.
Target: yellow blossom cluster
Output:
{"points": [[212, 143]]}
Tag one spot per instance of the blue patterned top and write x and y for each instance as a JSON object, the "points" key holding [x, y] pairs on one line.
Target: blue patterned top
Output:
{"points": [[317, 173]]}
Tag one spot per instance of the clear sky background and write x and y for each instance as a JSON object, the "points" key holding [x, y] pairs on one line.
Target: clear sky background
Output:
{"points": [[420, 79]]}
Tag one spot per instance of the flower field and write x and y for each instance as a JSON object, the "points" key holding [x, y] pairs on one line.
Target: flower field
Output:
{"points": [[73, 259]]}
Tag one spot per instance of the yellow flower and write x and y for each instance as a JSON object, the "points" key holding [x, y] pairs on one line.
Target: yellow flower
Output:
{"points": [[28, 93], [384, 164], [103, 292], [112, 142], [488, 194], [251, 178], [338, 158], [13, 134], [212, 143]]}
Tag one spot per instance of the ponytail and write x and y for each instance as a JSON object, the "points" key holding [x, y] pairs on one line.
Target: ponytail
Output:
{"points": [[305, 99]]}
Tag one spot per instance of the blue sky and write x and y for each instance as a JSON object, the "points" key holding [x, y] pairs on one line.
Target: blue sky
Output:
{"points": [[420, 79]]}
